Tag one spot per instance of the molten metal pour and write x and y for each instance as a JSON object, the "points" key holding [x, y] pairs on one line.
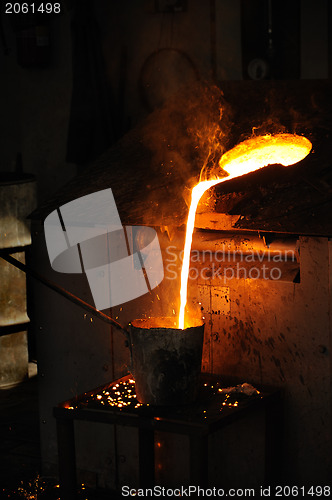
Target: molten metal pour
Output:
{"points": [[246, 157]]}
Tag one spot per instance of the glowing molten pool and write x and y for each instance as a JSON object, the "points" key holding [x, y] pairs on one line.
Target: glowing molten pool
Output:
{"points": [[248, 156]]}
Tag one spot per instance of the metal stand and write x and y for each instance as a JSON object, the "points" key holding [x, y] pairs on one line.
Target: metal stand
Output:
{"points": [[152, 419]]}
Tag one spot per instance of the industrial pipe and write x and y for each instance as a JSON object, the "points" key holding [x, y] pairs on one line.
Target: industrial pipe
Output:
{"points": [[68, 295]]}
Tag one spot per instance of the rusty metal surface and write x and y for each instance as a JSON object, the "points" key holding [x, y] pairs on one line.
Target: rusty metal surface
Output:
{"points": [[17, 199], [297, 199], [14, 359], [12, 293]]}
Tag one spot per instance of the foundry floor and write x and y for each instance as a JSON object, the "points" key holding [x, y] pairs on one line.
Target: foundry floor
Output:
{"points": [[20, 461], [19, 445]]}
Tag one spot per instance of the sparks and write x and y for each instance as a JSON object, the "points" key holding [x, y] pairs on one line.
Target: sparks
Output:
{"points": [[246, 157]]}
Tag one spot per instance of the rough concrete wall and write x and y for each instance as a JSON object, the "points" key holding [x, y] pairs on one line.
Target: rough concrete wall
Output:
{"points": [[133, 32], [278, 333]]}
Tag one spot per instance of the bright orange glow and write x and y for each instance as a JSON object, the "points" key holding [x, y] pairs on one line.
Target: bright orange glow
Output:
{"points": [[248, 156]]}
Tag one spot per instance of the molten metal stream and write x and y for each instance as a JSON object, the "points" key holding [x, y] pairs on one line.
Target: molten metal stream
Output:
{"points": [[248, 156]]}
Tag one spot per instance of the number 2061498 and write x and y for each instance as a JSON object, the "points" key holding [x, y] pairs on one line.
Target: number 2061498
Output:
{"points": [[32, 8], [295, 491]]}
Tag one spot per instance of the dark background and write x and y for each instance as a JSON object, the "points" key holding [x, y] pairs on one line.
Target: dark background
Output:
{"points": [[73, 83]]}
